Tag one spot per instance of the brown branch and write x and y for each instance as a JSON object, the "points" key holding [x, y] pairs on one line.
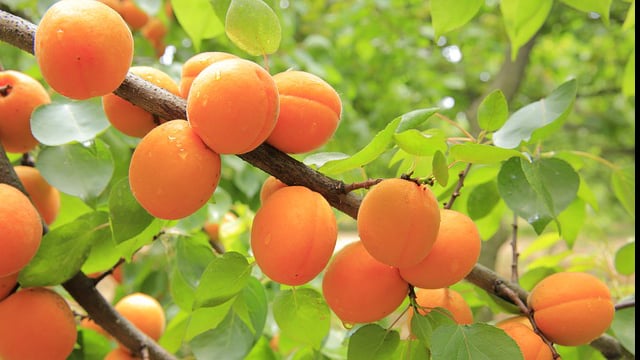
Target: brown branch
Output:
{"points": [[514, 250], [456, 192]]}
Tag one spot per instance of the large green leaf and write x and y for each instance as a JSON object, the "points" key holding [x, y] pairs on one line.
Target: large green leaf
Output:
{"points": [[630, 20], [252, 306], [128, 218], [522, 19], [623, 182], [474, 342], [493, 111], [421, 143], [538, 119], [192, 256], [450, 15], [253, 27], [482, 153], [598, 6], [232, 339], [63, 122], [372, 342], [224, 278], [64, 250], [482, 199], [302, 315], [537, 191], [625, 260], [198, 19]]}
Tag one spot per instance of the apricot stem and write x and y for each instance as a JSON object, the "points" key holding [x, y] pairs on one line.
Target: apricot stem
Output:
{"points": [[5, 90], [360, 185]]}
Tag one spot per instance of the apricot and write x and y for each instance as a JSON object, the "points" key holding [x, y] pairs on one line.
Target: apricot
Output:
{"points": [[293, 235], [20, 95], [195, 64], [133, 15], [20, 230], [45, 197], [531, 345], [144, 312], [269, 186], [310, 110], [233, 105], [131, 119], [36, 323], [172, 173], [453, 255], [360, 289], [429, 299], [155, 31], [119, 353], [571, 308], [7, 284], [83, 48], [398, 222]]}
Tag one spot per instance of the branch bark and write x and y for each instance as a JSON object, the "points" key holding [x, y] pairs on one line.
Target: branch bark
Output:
{"points": [[20, 33]]}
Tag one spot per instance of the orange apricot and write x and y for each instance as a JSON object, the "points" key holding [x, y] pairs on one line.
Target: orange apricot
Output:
{"points": [[83, 48], [144, 312], [119, 353], [571, 308], [429, 299], [114, 4], [269, 186], [310, 110], [36, 323], [398, 222], [453, 255], [531, 345], [293, 235], [195, 64], [172, 173], [20, 230], [20, 95], [132, 14], [233, 105], [131, 119], [45, 197], [359, 288], [7, 284], [155, 31]]}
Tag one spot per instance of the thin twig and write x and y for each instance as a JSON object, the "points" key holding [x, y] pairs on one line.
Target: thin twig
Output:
{"points": [[514, 250], [456, 192]]}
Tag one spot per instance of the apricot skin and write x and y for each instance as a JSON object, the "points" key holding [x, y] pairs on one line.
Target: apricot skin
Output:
{"points": [[571, 308], [20, 230], [45, 197], [20, 95], [172, 173], [359, 288], [270, 185], [83, 48], [445, 298], [194, 66], [530, 344], [310, 111], [7, 284], [453, 255], [398, 222], [144, 312], [293, 235]]}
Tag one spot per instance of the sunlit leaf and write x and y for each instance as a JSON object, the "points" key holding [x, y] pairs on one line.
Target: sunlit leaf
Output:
{"points": [[493, 111], [623, 182], [128, 218], [63, 122], [482, 153], [372, 342], [421, 143], [629, 77], [440, 168], [522, 19], [474, 342], [198, 19], [253, 27], [224, 278], [597, 6], [630, 20], [625, 260], [302, 315], [450, 15]]}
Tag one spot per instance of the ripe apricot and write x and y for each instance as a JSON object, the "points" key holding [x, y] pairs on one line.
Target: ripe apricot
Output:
{"points": [[36, 323], [83, 48], [7, 284], [20, 95], [293, 235], [119, 353], [131, 119], [195, 64], [20, 230], [172, 173], [359, 288], [270, 185], [133, 15], [453, 255], [530, 344], [233, 105], [398, 222], [310, 110], [429, 299], [144, 312], [45, 197], [571, 308]]}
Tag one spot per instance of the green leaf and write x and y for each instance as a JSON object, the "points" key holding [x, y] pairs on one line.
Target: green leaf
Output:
{"points": [[198, 19], [421, 143], [321, 158], [372, 342], [302, 315], [629, 77], [103, 255], [252, 306], [482, 199], [473, 342], [63, 122], [192, 256], [380, 143], [523, 19], [450, 15], [537, 191], [128, 218], [571, 221], [630, 20], [204, 319], [440, 168], [64, 250], [422, 326], [412, 350], [625, 260], [253, 27], [537, 118], [598, 6], [129, 247], [79, 170], [482, 153], [623, 182], [624, 328], [231, 338], [224, 278], [493, 111]]}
